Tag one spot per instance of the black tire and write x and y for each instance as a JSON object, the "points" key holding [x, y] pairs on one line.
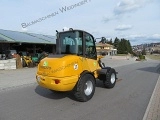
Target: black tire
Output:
{"points": [[85, 88], [110, 79], [24, 63], [30, 65]]}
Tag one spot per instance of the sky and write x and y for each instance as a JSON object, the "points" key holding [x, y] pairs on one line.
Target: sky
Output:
{"points": [[134, 20]]}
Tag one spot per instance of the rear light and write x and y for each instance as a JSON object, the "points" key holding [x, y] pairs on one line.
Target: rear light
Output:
{"points": [[38, 78], [57, 81]]}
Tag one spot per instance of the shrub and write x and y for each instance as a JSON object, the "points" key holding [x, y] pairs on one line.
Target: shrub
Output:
{"points": [[141, 57]]}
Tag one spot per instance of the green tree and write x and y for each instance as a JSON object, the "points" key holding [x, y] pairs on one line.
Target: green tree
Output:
{"points": [[120, 48], [110, 42], [116, 42], [103, 40], [124, 47], [129, 47]]}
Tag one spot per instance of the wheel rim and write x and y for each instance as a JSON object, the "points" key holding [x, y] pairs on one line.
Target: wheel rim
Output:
{"points": [[88, 88], [113, 78]]}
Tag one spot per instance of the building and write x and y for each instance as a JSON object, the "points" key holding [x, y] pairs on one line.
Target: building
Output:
{"points": [[22, 41], [149, 48], [105, 49]]}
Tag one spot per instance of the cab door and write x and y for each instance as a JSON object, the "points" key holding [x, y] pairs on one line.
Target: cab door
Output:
{"points": [[90, 52]]}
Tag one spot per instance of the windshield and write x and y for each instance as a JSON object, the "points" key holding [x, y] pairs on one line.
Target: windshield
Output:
{"points": [[71, 42]]}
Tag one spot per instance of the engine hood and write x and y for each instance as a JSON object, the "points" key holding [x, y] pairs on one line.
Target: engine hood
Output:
{"points": [[60, 66]]}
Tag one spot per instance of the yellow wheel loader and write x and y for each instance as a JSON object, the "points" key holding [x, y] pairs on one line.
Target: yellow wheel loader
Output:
{"points": [[75, 66], [27, 61]]}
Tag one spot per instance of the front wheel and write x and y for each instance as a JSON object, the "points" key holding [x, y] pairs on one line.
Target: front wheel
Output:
{"points": [[110, 79], [85, 88]]}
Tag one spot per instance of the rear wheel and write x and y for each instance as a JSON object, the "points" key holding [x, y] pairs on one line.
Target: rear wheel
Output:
{"points": [[85, 88], [110, 79]]}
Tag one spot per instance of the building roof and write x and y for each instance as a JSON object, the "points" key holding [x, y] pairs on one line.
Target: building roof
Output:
{"points": [[2, 39], [5, 39], [24, 37], [103, 45]]}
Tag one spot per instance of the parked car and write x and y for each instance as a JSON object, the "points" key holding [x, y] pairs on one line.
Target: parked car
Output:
{"points": [[103, 53], [2, 55]]}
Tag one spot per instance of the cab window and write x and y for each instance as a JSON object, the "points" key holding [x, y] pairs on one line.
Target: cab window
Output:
{"points": [[71, 43], [90, 49]]}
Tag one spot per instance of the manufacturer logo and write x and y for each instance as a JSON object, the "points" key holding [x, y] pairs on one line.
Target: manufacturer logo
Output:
{"points": [[45, 63], [76, 66]]}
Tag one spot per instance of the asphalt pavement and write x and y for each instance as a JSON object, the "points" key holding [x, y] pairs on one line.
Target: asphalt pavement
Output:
{"points": [[22, 98]]}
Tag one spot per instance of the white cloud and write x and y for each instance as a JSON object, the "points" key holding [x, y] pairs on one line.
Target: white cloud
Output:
{"points": [[135, 39], [144, 36], [156, 36], [107, 18], [123, 27], [137, 36], [125, 6]]}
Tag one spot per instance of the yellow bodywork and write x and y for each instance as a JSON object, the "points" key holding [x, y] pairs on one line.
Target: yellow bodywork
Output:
{"points": [[27, 59], [62, 73]]}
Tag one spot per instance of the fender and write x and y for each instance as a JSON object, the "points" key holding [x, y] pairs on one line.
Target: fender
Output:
{"points": [[103, 72], [82, 74]]}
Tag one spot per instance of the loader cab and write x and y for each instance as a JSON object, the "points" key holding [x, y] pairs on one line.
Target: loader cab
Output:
{"points": [[76, 42]]}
